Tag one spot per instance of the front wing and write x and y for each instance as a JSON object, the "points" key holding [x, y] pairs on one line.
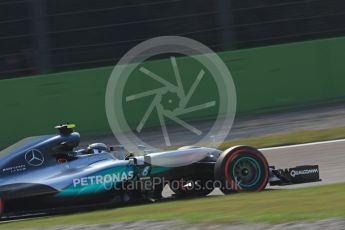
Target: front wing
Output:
{"points": [[296, 175]]}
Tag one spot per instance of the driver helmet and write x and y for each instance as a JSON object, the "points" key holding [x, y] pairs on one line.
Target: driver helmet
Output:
{"points": [[97, 148]]}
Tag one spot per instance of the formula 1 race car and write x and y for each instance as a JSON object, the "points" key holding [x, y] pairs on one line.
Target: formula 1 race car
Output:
{"points": [[48, 172]]}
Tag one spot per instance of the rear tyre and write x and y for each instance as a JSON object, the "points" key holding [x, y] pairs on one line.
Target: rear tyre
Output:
{"points": [[242, 169]]}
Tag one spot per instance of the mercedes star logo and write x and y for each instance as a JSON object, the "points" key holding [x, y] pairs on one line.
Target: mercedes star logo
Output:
{"points": [[34, 157]]}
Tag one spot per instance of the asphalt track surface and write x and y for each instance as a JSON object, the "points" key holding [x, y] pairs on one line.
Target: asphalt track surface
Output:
{"points": [[329, 155], [329, 224]]}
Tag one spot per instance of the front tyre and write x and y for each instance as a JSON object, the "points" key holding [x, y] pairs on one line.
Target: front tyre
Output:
{"points": [[242, 169]]}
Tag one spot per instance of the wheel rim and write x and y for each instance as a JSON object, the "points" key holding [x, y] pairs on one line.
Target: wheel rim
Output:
{"points": [[246, 172]]}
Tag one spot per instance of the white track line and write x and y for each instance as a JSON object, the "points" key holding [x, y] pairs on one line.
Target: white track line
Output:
{"points": [[303, 145]]}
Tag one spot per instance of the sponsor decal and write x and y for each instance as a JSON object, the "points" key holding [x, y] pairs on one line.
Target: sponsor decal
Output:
{"points": [[34, 157], [14, 169], [102, 179], [98, 182], [146, 171], [295, 173]]}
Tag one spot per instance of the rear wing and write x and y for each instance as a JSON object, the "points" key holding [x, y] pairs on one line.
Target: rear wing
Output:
{"points": [[296, 175]]}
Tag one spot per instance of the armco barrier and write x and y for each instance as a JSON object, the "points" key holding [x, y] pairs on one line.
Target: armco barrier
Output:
{"points": [[267, 79]]}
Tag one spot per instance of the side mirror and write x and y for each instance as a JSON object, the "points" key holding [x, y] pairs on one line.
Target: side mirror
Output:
{"points": [[144, 149], [118, 151]]}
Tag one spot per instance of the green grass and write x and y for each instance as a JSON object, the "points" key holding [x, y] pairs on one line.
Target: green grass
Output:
{"points": [[288, 139], [272, 206]]}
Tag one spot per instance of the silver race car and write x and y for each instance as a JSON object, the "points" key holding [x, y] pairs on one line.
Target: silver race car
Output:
{"points": [[49, 173]]}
